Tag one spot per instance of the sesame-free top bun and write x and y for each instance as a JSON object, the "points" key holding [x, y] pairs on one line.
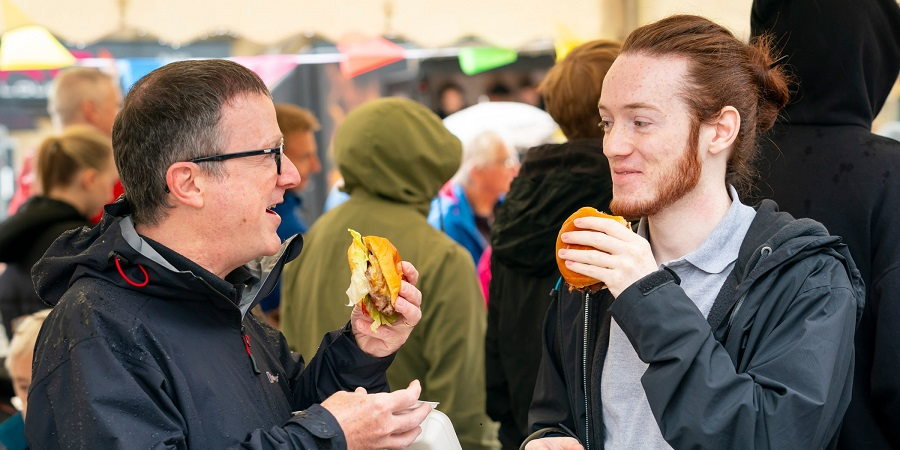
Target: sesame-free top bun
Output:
{"points": [[576, 280], [389, 261]]}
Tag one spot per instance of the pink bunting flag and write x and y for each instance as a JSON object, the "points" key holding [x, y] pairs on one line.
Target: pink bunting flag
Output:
{"points": [[365, 55], [271, 68]]}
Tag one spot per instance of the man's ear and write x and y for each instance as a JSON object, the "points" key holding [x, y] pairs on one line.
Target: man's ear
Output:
{"points": [[88, 110], [88, 177], [725, 130], [185, 182]]}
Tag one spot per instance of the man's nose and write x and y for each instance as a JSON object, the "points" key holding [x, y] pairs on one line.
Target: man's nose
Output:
{"points": [[290, 176], [616, 143]]}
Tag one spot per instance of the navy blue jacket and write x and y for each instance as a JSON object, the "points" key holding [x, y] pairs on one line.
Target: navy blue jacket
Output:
{"points": [[146, 349]]}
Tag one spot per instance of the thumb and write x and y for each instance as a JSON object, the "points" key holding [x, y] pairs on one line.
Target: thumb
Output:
{"points": [[415, 387], [360, 390]]}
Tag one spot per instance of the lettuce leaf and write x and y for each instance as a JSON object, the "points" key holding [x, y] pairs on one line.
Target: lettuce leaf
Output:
{"points": [[357, 257]]}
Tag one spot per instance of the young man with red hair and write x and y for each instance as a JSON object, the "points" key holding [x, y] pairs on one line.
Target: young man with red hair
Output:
{"points": [[723, 326]]}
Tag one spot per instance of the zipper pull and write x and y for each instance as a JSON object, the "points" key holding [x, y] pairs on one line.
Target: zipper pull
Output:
{"points": [[555, 289], [246, 339]]}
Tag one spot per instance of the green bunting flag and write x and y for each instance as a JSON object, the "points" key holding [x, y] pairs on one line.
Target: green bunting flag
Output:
{"points": [[474, 60]]}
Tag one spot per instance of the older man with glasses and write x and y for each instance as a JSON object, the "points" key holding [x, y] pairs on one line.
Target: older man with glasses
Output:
{"points": [[150, 343]]}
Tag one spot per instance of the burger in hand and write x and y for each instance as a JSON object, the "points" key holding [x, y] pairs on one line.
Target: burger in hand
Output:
{"points": [[575, 280], [375, 276]]}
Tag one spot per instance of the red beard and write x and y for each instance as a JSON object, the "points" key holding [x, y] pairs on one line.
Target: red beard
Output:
{"points": [[673, 184]]}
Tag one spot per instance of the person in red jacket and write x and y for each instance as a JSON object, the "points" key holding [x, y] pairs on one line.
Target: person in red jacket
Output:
{"points": [[79, 96]]}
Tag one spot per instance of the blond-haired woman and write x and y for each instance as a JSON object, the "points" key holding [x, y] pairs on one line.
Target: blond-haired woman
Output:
{"points": [[76, 173], [18, 366]]}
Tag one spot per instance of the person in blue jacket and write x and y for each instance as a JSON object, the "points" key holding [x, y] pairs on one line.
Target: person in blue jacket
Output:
{"points": [[464, 208]]}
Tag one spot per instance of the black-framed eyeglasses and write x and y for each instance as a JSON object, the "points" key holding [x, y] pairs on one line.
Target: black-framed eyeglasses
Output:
{"points": [[277, 151]]}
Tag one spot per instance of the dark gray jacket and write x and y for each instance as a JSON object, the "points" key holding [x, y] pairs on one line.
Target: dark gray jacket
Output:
{"points": [[146, 349], [770, 368]]}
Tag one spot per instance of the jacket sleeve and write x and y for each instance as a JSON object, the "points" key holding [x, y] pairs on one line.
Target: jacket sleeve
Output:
{"points": [[885, 377], [550, 408], [339, 365], [791, 394]]}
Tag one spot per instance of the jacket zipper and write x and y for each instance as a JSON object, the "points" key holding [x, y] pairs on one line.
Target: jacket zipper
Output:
{"points": [[246, 338], [584, 371]]}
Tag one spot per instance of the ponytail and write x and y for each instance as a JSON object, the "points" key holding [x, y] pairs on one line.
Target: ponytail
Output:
{"points": [[60, 158]]}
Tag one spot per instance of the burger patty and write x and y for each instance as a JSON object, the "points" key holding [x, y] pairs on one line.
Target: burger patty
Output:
{"points": [[378, 291]]}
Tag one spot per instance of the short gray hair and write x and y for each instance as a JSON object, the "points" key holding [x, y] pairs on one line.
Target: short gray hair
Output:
{"points": [[71, 88], [25, 335], [481, 151], [172, 115]]}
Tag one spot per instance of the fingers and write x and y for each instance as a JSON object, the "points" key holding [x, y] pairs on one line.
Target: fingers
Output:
{"points": [[409, 272], [604, 225], [403, 398], [591, 257], [408, 420], [411, 313], [404, 439], [599, 240], [411, 393], [411, 293], [598, 273]]}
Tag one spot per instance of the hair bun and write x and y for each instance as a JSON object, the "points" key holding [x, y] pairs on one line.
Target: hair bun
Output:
{"points": [[772, 81]]}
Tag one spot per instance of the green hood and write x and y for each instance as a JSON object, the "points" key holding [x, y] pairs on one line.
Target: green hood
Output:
{"points": [[396, 149]]}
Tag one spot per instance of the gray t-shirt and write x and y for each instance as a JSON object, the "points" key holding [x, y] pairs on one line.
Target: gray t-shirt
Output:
{"points": [[626, 414]]}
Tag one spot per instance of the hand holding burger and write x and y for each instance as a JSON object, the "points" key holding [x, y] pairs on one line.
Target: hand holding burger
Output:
{"points": [[595, 250], [383, 295]]}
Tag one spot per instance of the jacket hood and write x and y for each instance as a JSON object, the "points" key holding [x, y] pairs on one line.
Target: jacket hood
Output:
{"points": [[19, 232], [845, 56], [113, 251], [775, 239], [553, 182], [396, 149]]}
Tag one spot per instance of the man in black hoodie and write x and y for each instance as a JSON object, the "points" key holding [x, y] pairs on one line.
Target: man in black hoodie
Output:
{"points": [[821, 161], [554, 181], [722, 326], [151, 344]]}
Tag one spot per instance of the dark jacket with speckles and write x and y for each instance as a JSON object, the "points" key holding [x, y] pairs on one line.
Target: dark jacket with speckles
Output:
{"points": [[146, 349], [821, 161]]}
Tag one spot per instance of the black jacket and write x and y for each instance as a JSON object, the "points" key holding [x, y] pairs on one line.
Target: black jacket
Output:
{"points": [[821, 161], [553, 182], [769, 369], [146, 349], [24, 237]]}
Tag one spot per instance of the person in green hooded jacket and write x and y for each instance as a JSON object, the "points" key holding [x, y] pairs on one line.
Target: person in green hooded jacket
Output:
{"points": [[394, 155]]}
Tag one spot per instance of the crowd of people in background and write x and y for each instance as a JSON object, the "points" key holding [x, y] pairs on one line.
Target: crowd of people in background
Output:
{"points": [[751, 305]]}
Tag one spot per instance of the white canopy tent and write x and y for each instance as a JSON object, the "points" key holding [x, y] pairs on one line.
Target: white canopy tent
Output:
{"points": [[428, 23]]}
